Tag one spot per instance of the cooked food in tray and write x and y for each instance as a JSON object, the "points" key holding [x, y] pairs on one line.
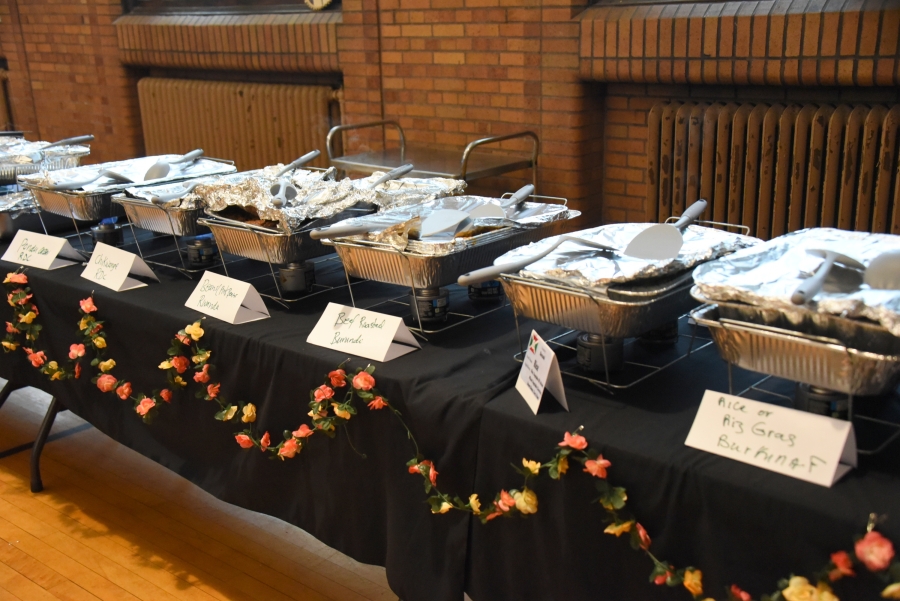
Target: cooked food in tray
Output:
{"points": [[857, 275]]}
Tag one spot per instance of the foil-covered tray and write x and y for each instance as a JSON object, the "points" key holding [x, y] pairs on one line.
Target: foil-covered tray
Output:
{"points": [[768, 274], [21, 157], [388, 254], [582, 267], [262, 244], [92, 201], [851, 357], [621, 311]]}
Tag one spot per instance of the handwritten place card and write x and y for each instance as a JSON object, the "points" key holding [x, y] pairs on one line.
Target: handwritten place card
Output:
{"points": [[540, 370], [110, 267], [227, 299], [40, 250], [363, 333], [802, 445]]}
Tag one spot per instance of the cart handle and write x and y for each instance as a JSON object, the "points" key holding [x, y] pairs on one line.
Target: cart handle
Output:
{"points": [[535, 150], [329, 141]]}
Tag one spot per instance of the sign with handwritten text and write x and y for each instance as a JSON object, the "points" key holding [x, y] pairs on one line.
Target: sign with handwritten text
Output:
{"points": [[110, 267], [363, 333], [227, 299], [540, 370], [40, 250], [802, 445]]}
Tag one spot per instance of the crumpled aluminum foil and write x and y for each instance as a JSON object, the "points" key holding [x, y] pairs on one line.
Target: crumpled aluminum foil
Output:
{"points": [[408, 190], [580, 266], [189, 201], [18, 203], [22, 152], [396, 226], [768, 275], [131, 168]]}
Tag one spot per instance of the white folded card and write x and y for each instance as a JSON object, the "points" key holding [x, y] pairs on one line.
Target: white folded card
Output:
{"points": [[41, 251], [540, 370], [110, 267], [363, 333], [227, 299], [802, 445]]}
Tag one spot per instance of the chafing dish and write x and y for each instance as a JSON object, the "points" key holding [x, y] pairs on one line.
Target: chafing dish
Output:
{"points": [[20, 157]]}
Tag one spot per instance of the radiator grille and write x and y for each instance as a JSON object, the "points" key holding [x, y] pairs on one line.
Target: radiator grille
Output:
{"points": [[253, 124], [777, 168]]}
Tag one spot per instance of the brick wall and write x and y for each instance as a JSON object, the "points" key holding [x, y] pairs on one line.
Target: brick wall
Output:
{"points": [[65, 74]]}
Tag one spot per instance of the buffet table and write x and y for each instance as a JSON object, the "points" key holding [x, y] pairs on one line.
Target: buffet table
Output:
{"points": [[738, 523]]}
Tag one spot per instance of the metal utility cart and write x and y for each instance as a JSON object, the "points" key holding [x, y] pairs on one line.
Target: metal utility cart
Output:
{"points": [[434, 162]]}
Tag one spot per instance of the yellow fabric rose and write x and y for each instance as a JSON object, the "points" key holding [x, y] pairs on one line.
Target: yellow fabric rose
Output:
{"points": [[10, 346], [249, 411], [563, 465], [165, 365], [799, 589], [100, 342], [619, 529], [85, 323], [825, 593], [532, 466], [179, 381], [693, 582], [107, 365], [891, 592], [340, 412], [475, 504], [53, 366], [194, 331], [57, 375], [526, 501], [201, 357], [444, 508], [28, 317], [230, 413]]}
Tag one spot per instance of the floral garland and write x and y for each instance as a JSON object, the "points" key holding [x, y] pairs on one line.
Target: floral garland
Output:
{"points": [[872, 550]]}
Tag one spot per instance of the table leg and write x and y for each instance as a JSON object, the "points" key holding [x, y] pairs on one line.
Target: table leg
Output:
{"points": [[49, 418]]}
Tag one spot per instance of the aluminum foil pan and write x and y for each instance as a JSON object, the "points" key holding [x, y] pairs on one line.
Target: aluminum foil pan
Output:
{"points": [[628, 310], [93, 200], [409, 190], [22, 152], [582, 267], [838, 364], [18, 203], [768, 274]]}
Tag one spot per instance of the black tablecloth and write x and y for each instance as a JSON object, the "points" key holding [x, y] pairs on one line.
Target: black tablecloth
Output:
{"points": [[738, 523], [371, 509]]}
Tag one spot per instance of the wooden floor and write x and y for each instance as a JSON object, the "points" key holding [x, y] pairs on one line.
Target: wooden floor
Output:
{"points": [[116, 526]]}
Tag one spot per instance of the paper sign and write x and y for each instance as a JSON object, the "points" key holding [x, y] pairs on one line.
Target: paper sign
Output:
{"points": [[540, 370], [110, 267], [227, 299], [41, 251], [363, 333], [802, 445]]}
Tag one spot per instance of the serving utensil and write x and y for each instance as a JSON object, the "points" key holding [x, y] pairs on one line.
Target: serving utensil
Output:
{"points": [[493, 271], [163, 199], [811, 285], [39, 155], [883, 271], [309, 156], [75, 184], [162, 167], [663, 241], [457, 220]]}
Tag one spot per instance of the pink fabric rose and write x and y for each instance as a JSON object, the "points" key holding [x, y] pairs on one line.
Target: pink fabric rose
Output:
{"points": [[124, 391], [322, 393], [77, 370], [289, 448], [87, 305], [875, 551], [363, 381], [16, 278], [645, 538], [506, 501], [265, 441], [76, 351], [37, 359], [166, 395], [213, 390], [843, 566], [737, 593], [245, 441], [303, 431], [180, 363], [377, 403], [203, 375], [597, 467], [106, 383], [338, 378], [183, 339], [575, 441], [11, 329], [145, 406]]}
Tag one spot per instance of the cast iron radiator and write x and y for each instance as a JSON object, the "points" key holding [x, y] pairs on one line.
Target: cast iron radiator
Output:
{"points": [[777, 168], [253, 124]]}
